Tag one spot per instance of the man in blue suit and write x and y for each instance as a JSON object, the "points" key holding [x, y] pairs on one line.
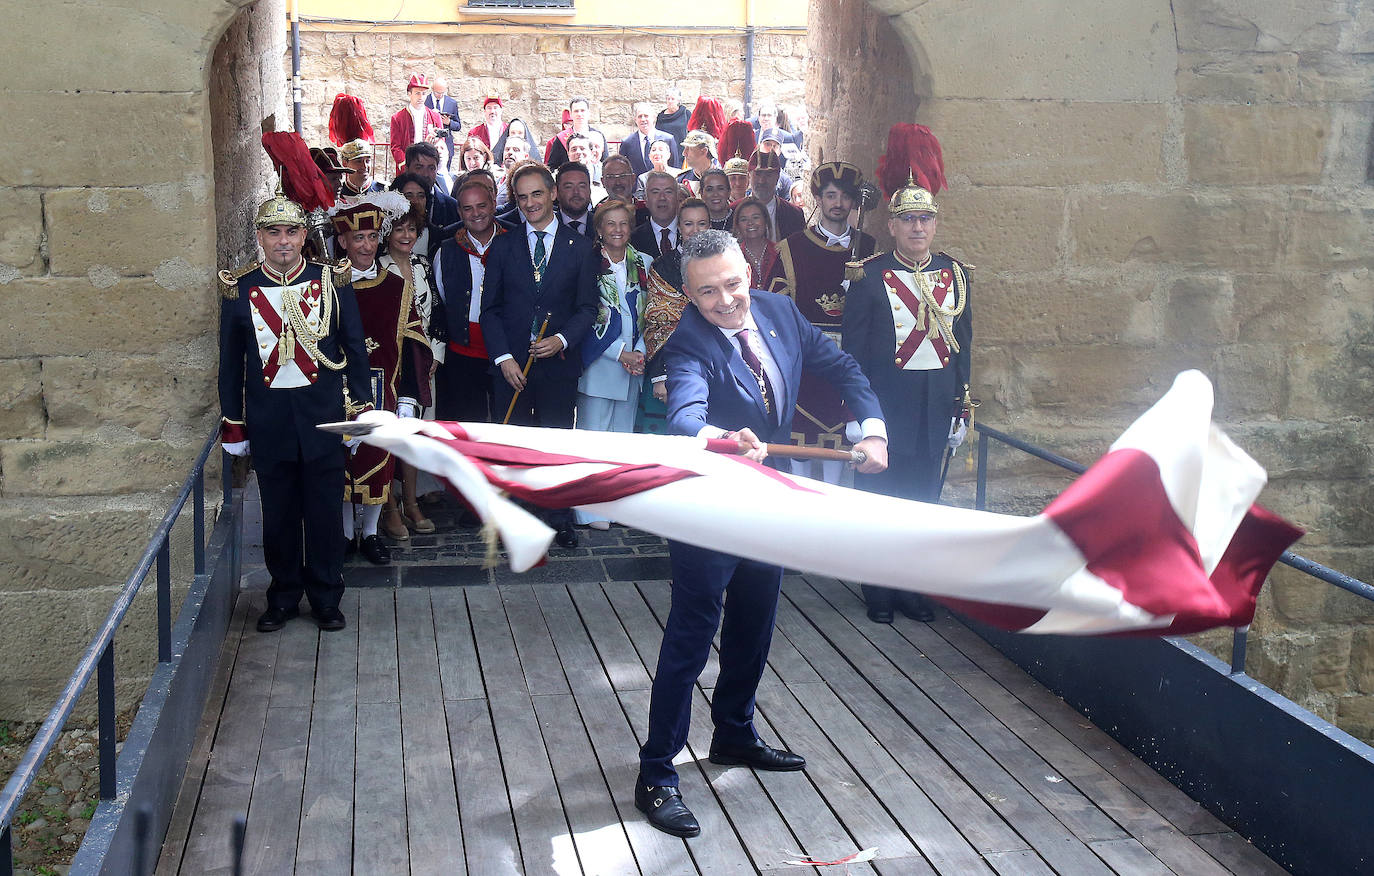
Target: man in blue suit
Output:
{"points": [[636, 146], [540, 269], [734, 366]]}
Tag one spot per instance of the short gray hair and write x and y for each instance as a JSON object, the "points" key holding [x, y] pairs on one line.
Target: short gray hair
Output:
{"points": [[708, 244]]}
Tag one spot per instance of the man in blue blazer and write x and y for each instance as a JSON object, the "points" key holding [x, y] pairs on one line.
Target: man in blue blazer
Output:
{"points": [[447, 108], [734, 366], [636, 146], [539, 269]]}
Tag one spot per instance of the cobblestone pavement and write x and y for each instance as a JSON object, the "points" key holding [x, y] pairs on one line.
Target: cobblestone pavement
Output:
{"points": [[455, 557]]}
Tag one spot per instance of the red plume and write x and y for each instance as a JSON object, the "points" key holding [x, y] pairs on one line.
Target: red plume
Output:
{"points": [[348, 120], [709, 116], [911, 150], [301, 179], [738, 140]]}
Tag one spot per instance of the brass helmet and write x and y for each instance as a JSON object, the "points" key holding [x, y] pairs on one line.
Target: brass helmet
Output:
{"points": [[355, 149], [279, 210], [911, 198], [737, 166]]}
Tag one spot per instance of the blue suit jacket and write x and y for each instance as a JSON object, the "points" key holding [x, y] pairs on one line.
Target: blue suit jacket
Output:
{"points": [[450, 106], [709, 383], [632, 147], [512, 306]]}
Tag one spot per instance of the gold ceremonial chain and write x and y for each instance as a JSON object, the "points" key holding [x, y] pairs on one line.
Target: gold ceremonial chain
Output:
{"points": [[944, 317], [295, 325]]}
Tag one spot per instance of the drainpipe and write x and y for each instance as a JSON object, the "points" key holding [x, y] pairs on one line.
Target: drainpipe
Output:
{"points": [[748, 55], [295, 68]]}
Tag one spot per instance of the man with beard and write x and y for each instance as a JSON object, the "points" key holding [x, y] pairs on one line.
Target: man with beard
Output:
{"points": [[490, 129], [810, 270], [783, 218], [574, 198], [422, 159]]}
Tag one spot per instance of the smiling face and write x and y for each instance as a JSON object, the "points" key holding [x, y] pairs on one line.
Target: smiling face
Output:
{"points": [[282, 244], [691, 222], [492, 113], [535, 200], [642, 121], [719, 287], [360, 247], [715, 191], [618, 177], [516, 150], [614, 228], [477, 207], [473, 159], [401, 241], [752, 223], [580, 149]]}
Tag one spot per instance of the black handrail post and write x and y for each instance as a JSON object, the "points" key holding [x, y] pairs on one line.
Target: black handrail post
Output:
{"points": [[164, 599], [6, 852], [227, 465], [1240, 637], [105, 690], [980, 498], [198, 521]]}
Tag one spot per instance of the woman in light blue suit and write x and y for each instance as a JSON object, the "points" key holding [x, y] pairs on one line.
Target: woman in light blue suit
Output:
{"points": [[614, 351]]}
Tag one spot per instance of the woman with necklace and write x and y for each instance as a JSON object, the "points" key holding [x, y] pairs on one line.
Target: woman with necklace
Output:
{"points": [[753, 230], [402, 260], [613, 353]]}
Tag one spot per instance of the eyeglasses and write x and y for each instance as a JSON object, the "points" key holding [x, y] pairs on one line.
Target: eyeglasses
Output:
{"points": [[617, 176]]}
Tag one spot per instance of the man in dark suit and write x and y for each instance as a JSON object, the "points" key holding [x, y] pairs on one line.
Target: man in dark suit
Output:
{"points": [[734, 365], [659, 233], [574, 189], [275, 393], [447, 108], [784, 219], [422, 159], [636, 146], [540, 269]]}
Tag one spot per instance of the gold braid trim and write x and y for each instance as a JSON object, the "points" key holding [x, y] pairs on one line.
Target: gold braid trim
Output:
{"points": [[944, 317], [297, 331], [229, 280], [854, 271]]}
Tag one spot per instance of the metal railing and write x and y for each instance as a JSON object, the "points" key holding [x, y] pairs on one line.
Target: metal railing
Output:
{"points": [[1240, 637], [98, 658]]}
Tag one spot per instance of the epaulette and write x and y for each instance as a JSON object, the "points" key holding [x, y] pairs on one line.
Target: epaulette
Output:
{"points": [[965, 265], [229, 280], [343, 271], [854, 271]]}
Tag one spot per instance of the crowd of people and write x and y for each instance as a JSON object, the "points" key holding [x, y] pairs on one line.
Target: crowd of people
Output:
{"points": [[671, 285]]}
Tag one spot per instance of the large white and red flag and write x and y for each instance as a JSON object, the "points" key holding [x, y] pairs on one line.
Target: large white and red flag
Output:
{"points": [[1162, 535]]}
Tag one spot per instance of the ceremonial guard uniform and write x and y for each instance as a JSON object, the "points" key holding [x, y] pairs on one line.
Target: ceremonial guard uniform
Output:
{"points": [[397, 352], [292, 357], [909, 325], [810, 269]]}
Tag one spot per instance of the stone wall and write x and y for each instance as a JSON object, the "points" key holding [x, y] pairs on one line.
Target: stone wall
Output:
{"points": [[107, 346], [1156, 186], [537, 73]]}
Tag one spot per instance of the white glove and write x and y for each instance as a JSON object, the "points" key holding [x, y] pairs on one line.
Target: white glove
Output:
{"points": [[236, 448], [407, 407], [352, 443], [853, 432], [957, 430]]}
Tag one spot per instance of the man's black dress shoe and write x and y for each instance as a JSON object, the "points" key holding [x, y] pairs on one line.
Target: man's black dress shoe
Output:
{"points": [[879, 615], [350, 547], [329, 619], [566, 537], [374, 551], [758, 756], [663, 804], [916, 607], [275, 618]]}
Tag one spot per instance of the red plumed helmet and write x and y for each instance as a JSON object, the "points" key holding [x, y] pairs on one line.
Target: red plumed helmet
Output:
{"points": [[301, 179], [709, 116], [738, 140], [348, 120], [912, 152]]}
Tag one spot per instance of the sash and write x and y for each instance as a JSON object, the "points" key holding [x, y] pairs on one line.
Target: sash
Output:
{"points": [[287, 349]]}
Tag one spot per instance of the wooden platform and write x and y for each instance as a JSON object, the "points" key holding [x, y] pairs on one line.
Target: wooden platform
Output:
{"points": [[494, 729]]}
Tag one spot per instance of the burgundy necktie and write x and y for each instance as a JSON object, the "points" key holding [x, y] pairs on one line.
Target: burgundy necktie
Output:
{"points": [[752, 360], [664, 242]]}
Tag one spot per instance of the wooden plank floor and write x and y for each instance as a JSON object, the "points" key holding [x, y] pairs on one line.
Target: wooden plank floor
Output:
{"points": [[494, 729]]}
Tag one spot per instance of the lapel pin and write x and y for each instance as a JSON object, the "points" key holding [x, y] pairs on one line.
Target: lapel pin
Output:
{"points": [[772, 334]]}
